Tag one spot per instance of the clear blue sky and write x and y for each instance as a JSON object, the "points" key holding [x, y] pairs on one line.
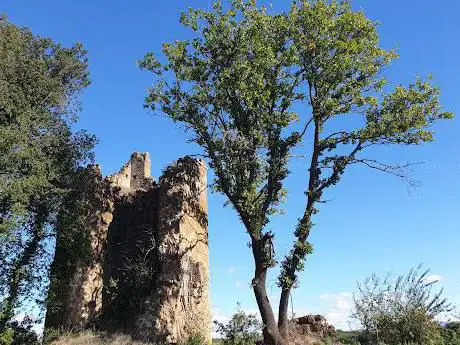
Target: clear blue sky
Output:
{"points": [[372, 223]]}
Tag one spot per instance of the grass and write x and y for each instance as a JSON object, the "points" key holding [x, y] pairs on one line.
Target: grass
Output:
{"points": [[97, 338], [92, 338]]}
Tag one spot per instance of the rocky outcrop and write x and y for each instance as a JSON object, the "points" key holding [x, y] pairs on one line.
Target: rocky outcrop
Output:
{"points": [[309, 329]]}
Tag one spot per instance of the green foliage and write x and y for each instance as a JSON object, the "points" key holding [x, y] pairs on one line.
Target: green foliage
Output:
{"points": [[415, 326], [23, 333], [451, 333], [195, 339], [338, 50], [446, 334], [86, 193], [401, 310], [242, 329], [39, 86], [235, 86], [232, 87], [348, 338], [39, 83], [19, 333], [6, 336]]}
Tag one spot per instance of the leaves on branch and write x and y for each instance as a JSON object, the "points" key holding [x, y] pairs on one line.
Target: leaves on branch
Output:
{"points": [[250, 79]]}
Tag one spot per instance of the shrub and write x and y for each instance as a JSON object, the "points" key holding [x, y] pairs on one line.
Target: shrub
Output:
{"points": [[6, 336], [451, 333], [348, 338], [17, 333], [413, 326], [242, 329], [196, 339], [400, 311]]}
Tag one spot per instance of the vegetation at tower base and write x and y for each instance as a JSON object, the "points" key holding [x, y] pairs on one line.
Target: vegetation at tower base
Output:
{"points": [[251, 86], [40, 82]]}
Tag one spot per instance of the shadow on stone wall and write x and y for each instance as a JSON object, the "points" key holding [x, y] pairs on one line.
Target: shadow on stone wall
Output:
{"points": [[130, 266], [143, 265], [179, 304], [74, 298]]}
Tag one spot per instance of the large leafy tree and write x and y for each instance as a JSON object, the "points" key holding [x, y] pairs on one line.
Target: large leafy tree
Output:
{"points": [[39, 86], [251, 86]]}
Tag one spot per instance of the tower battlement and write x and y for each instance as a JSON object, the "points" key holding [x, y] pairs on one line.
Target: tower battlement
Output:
{"points": [[135, 174]]}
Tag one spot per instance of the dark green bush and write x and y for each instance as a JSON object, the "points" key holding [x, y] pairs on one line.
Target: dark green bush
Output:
{"points": [[348, 338], [18, 334], [6, 336], [451, 333], [196, 339]]}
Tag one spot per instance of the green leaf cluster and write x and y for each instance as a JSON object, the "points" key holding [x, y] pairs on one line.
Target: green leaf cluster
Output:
{"points": [[450, 333], [40, 82], [241, 329], [232, 88], [253, 87]]}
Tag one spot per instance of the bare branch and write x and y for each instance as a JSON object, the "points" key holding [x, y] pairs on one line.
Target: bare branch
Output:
{"points": [[401, 171]]}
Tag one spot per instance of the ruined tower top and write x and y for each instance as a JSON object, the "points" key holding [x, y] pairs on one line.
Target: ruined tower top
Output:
{"points": [[152, 240], [135, 174]]}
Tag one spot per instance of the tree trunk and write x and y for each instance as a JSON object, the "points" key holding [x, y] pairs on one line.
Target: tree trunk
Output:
{"points": [[17, 276], [283, 320], [18, 273], [271, 334], [312, 198]]}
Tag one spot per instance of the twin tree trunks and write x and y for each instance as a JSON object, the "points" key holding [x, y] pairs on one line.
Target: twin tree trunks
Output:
{"points": [[146, 268]]}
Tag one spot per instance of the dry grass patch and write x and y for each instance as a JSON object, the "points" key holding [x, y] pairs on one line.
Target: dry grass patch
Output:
{"points": [[91, 338]]}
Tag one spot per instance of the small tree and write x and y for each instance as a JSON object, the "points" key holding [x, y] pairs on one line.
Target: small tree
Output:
{"points": [[242, 329], [401, 310], [235, 85]]}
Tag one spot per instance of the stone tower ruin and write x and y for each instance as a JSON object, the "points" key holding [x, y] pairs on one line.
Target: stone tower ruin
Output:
{"points": [[132, 253]]}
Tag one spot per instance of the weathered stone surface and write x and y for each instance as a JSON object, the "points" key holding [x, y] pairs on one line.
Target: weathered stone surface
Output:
{"points": [[77, 281], [148, 271], [134, 175], [309, 329], [179, 306]]}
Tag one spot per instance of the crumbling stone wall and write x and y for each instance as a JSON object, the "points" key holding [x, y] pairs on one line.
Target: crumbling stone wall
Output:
{"points": [[134, 175], [179, 305], [148, 259], [130, 266], [75, 296]]}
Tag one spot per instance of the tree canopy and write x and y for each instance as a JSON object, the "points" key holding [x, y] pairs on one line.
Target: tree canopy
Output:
{"points": [[40, 82], [252, 85]]}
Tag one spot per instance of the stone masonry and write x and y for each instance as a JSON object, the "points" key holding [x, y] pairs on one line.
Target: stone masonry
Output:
{"points": [[146, 271]]}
